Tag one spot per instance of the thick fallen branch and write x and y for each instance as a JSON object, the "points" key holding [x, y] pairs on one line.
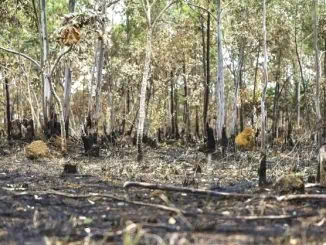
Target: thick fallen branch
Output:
{"points": [[74, 196], [128, 185]]}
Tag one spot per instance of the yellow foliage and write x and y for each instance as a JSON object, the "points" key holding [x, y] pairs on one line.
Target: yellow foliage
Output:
{"points": [[36, 149], [246, 139]]}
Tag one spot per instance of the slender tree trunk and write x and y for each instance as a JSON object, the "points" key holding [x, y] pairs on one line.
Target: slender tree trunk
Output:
{"points": [[142, 103], [220, 112], [317, 67], [66, 98], [317, 94], [263, 97], [8, 114], [172, 106], [254, 92], [204, 61], [67, 82], [186, 115], [99, 75], [235, 106], [47, 104], [276, 96], [176, 123], [206, 92]]}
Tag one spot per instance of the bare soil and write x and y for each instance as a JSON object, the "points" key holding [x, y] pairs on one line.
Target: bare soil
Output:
{"points": [[39, 204]]}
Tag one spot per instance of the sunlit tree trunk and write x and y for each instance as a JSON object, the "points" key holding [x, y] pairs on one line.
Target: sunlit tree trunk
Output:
{"points": [[44, 63], [208, 73], [142, 104], [67, 82], [220, 112], [99, 74], [263, 97], [146, 73], [317, 67], [321, 164], [253, 115]]}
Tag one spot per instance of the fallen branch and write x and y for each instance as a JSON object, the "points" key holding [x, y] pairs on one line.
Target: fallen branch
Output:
{"points": [[128, 185], [145, 185], [273, 217], [321, 197], [311, 185], [74, 196]]}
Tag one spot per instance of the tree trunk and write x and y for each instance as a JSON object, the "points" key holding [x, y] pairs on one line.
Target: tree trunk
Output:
{"points": [[263, 97], [142, 103], [99, 74], [220, 112], [67, 82], [317, 94], [276, 96], [206, 87], [254, 92], [186, 115], [8, 114], [176, 123], [172, 106], [47, 104]]}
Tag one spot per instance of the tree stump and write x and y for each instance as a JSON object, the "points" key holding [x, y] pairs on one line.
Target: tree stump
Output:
{"points": [[322, 165]]}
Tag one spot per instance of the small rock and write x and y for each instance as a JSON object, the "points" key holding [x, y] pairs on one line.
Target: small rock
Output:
{"points": [[37, 149], [287, 184]]}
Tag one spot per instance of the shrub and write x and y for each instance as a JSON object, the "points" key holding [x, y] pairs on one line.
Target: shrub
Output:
{"points": [[246, 139]]}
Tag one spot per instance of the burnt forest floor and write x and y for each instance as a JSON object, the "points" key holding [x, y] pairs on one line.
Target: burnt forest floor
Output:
{"points": [[41, 205]]}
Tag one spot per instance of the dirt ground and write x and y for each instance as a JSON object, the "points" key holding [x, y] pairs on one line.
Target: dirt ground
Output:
{"points": [[39, 204]]}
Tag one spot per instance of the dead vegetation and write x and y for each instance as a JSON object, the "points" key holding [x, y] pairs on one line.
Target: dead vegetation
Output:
{"points": [[221, 204]]}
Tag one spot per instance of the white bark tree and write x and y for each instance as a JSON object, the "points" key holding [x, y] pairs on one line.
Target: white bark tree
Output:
{"points": [[263, 97], [151, 23], [44, 63], [67, 82], [220, 112]]}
